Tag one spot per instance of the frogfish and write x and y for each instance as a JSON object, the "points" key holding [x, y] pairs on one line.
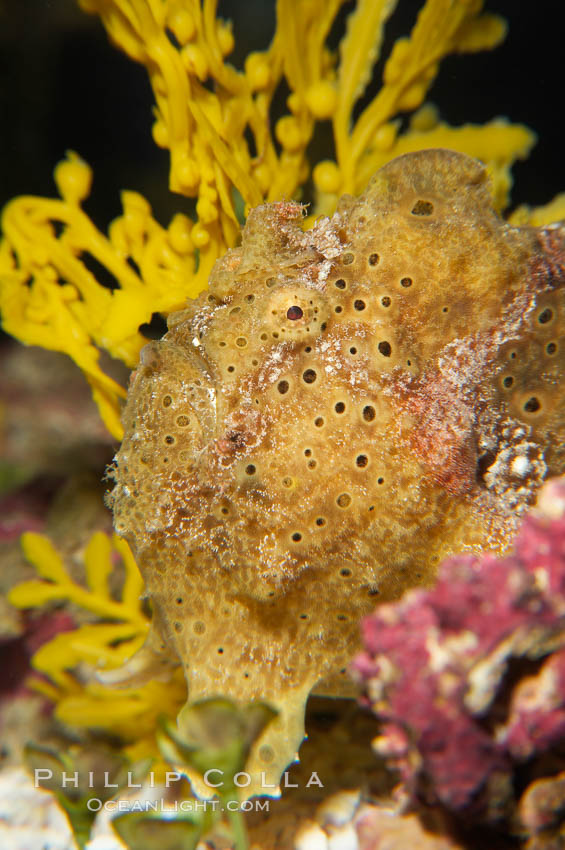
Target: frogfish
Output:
{"points": [[341, 409]]}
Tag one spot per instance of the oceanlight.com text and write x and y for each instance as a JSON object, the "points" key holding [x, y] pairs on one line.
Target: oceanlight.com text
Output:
{"points": [[171, 807]]}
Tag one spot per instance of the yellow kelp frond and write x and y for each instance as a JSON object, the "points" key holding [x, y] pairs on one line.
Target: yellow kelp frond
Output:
{"points": [[131, 713], [299, 50], [359, 51], [184, 45], [49, 296], [539, 216], [69, 661], [227, 146], [442, 27], [102, 644]]}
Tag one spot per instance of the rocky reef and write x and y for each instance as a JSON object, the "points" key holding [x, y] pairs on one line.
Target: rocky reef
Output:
{"points": [[342, 409], [468, 680]]}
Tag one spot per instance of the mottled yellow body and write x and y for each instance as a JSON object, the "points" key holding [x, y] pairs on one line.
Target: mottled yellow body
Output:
{"points": [[339, 411]]}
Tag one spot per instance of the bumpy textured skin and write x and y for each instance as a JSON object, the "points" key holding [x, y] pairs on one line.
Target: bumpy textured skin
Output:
{"points": [[280, 474]]}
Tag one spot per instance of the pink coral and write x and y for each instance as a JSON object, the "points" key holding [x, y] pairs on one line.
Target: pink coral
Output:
{"points": [[436, 665]]}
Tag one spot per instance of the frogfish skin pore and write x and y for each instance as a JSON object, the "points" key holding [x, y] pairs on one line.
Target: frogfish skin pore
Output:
{"points": [[339, 411]]}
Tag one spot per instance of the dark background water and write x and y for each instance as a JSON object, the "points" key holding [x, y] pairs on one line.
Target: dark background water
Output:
{"points": [[62, 85]]}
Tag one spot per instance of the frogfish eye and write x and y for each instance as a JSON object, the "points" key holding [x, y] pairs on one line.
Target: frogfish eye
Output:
{"points": [[294, 313]]}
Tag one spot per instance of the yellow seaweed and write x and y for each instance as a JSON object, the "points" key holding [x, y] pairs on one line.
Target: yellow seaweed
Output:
{"points": [[67, 663], [204, 110]]}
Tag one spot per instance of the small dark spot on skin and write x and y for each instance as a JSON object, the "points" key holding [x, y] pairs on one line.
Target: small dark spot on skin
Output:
{"points": [[373, 592], [551, 348], [297, 537], [361, 461], [422, 208], [359, 305], [340, 283], [353, 350], [532, 405], [308, 452], [338, 309], [445, 310], [308, 349], [508, 381], [368, 413], [345, 572], [385, 301], [373, 259], [220, 651], [320, 521], [304, 616], [231, 368], [179, 600], [309, 376], [545, 316], [167, 401], [250, 469], [318, 422], [406, 282], [385, 349], [282, 387], [236, 437], [169, 439], [266, 753], [339, 407], [341, 617], [343, 500], [380, 481]]}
